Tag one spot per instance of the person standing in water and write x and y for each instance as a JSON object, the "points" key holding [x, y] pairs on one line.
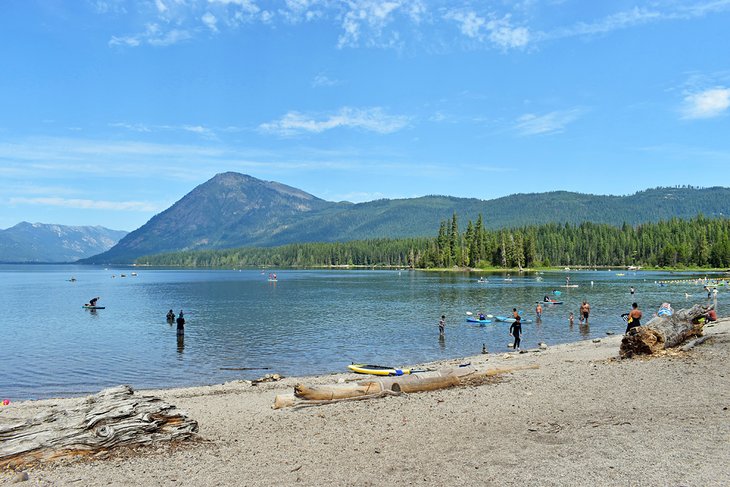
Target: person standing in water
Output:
{"points": [[180, 324], [633, 317], [585, 311], [516, 331], [442, 325], [631, 290], [538, 311]]}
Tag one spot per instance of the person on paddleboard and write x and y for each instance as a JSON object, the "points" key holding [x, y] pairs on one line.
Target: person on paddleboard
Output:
{"points": [[92, 301]]}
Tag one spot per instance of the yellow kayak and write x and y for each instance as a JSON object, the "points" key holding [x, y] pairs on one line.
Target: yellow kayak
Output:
{"points": [[377, 369]]}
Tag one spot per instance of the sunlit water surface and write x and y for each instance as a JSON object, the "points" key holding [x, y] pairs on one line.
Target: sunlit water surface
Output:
{"points": [[308, 322]]}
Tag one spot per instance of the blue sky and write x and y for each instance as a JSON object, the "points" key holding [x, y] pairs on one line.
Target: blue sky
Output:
{"points": [[112, 110]]}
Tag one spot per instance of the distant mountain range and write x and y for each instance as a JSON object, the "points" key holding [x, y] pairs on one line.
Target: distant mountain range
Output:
{"points": [[234, 210], [41, 242]]}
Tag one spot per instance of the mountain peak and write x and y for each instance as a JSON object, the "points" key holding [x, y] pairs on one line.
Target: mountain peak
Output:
{"points": [[235, 210]]}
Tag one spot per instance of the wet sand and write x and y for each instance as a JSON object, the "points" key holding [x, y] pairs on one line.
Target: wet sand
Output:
{"points": [[584, 417]]}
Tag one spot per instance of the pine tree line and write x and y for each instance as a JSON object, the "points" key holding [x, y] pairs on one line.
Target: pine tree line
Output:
{"points": [[698, 242]]}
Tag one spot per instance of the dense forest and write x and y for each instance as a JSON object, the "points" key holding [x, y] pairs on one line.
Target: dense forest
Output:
{"points": [[698, 242]]}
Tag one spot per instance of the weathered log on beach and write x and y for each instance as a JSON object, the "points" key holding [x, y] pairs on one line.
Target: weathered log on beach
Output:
{"points": [[382, 386], [112, 418], [663, 332]]}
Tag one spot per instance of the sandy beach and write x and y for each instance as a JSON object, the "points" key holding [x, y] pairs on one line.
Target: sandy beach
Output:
{"points": [[583, 417]]}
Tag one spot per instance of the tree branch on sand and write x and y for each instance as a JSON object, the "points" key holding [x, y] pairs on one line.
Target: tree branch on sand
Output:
{"points": [[663, 332], [112, 418], [386, 386]]}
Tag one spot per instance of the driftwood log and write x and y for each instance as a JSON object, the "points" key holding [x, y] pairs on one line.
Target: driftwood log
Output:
{"points": [[114, 417], [382, 386], [663, 332]]}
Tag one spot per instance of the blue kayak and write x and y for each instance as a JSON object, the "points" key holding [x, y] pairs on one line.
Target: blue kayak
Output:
{"points": [[477, 320], [505, 319]]}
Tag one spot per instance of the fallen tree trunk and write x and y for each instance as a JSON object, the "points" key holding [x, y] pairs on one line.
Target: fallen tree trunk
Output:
{"points": [[382, 386], [664, 332], [112, 418]]}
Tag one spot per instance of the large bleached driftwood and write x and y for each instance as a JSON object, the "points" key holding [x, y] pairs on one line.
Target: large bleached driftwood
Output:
{"points": [[663, 332], [382, 386], [114, 417]]}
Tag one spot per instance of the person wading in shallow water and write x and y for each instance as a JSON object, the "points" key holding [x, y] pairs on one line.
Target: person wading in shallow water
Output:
{"points": [[516, 331], [442, 325], [585, 311], [180, 324]]}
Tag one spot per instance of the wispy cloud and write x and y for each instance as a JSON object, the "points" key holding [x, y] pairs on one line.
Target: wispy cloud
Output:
{"points": [[371, 119], [706, 104], [154, 35], [619, 20], [210, 21], [498, 31], [322, 80], [549, 123], [201, 130], [87, 204], [393, 23]]}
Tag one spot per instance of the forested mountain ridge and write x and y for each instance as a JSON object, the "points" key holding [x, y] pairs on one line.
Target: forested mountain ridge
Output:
{"points": [[697, 242], [235, 210], [44, 242]]}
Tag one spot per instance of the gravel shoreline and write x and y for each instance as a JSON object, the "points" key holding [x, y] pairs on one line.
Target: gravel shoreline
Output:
{"points": [[583, 417]]}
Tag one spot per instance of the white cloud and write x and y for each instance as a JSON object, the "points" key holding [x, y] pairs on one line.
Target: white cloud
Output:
{"points": [[153, 35], [392, 23], [619, 20], [706, 104], [160, 6], [323, 80], [368, 18], [210, 21], [87, 204], [549, 123], [498, 31], [471, 24], [144, 128], [370, 119]]}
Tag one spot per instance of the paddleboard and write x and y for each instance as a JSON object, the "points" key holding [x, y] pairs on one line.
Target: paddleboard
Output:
{"points": [[511, 320], [94, 307], [548, 302], [377, 369], [569, 285]]}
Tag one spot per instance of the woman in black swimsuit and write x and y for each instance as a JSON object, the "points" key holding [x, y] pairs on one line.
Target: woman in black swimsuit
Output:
{"points": [[634, 317]]}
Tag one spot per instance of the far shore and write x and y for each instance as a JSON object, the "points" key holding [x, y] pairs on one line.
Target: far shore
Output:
{"points": [[583, 417]]}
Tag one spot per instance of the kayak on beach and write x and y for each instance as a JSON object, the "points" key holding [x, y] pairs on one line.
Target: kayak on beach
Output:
{"points": [[377, 369]]}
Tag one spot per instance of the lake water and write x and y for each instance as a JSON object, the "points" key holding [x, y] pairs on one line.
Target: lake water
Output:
{"points": [[309, 322]]}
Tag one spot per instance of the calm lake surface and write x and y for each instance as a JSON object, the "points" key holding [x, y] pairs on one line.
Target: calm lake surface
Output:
{"points": [[309, 322]]}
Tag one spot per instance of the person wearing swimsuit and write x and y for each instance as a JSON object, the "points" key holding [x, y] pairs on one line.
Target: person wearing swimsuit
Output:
{"points": [[634, 317]]}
